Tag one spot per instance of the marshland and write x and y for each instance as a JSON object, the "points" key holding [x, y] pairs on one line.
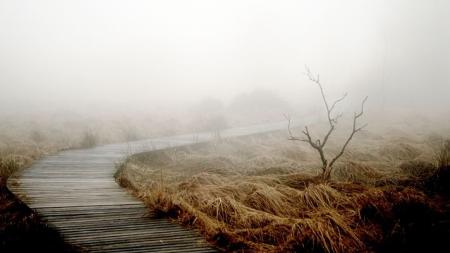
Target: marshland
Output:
{"points": [[237, 126], [265, 193]]}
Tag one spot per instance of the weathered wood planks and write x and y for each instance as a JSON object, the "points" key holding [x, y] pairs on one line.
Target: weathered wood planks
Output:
{"points": [[76, 193]]}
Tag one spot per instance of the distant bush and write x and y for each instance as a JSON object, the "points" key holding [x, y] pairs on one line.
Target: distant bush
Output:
{"points": [[130, 134], [257, 106], [209, 116], [89, 140], [37, 136]]}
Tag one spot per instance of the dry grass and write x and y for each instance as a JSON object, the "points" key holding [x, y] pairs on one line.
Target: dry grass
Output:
{"points": [[262, 194], [260, 217], [441, 149], [8, 165], [417, 168]]}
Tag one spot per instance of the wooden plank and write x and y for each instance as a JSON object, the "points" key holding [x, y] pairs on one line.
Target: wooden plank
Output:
{"points": [[76, 193]]}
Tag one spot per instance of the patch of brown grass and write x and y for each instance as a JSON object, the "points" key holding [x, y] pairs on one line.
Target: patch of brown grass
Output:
{"points": [[8, 165], [248, 196], [356, 172], [418, 168], [260, 217]]}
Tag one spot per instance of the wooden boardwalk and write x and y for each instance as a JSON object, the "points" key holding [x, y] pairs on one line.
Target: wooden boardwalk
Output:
{"points": [[75, 192]]}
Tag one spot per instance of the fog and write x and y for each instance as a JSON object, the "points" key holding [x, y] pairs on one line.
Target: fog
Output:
{"points": [[109, 56]]}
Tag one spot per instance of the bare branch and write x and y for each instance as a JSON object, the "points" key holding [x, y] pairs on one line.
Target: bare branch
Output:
{"points": [[319, 144], [291, 136], [335, 119], [325, 139], [308, 136], [354, 130], [317, 81], [337, 101], [362, 107], [361, 128], [288, 118], [331, 120]]}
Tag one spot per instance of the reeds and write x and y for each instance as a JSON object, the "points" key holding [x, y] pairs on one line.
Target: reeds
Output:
{"points": [[247, 196], [8, 165]]}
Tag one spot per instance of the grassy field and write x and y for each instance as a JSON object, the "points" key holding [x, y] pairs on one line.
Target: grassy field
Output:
{"points": [[388, 193]]}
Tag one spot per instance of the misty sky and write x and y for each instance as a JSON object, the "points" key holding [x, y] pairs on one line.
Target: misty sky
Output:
{"points": [[61, 53]]}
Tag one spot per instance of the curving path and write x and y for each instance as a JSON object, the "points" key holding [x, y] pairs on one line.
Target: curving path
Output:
{"points": [[75, 192]]}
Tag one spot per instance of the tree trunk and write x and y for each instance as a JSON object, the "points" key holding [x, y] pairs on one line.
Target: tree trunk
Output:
{"points": [[326, 173]]}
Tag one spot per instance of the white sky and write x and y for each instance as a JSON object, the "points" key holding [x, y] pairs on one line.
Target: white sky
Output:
{"points": [[61, 53]]}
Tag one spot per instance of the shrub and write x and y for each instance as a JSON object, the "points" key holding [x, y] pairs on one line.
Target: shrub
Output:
{"points": [[8, 165], [89, 140], [37, 137]]}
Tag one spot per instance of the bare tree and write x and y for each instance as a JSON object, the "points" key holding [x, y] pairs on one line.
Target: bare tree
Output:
{"points": [[319, 144]]}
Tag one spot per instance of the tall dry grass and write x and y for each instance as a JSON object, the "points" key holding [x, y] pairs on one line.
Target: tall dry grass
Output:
{"points": [[262, 194]]}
